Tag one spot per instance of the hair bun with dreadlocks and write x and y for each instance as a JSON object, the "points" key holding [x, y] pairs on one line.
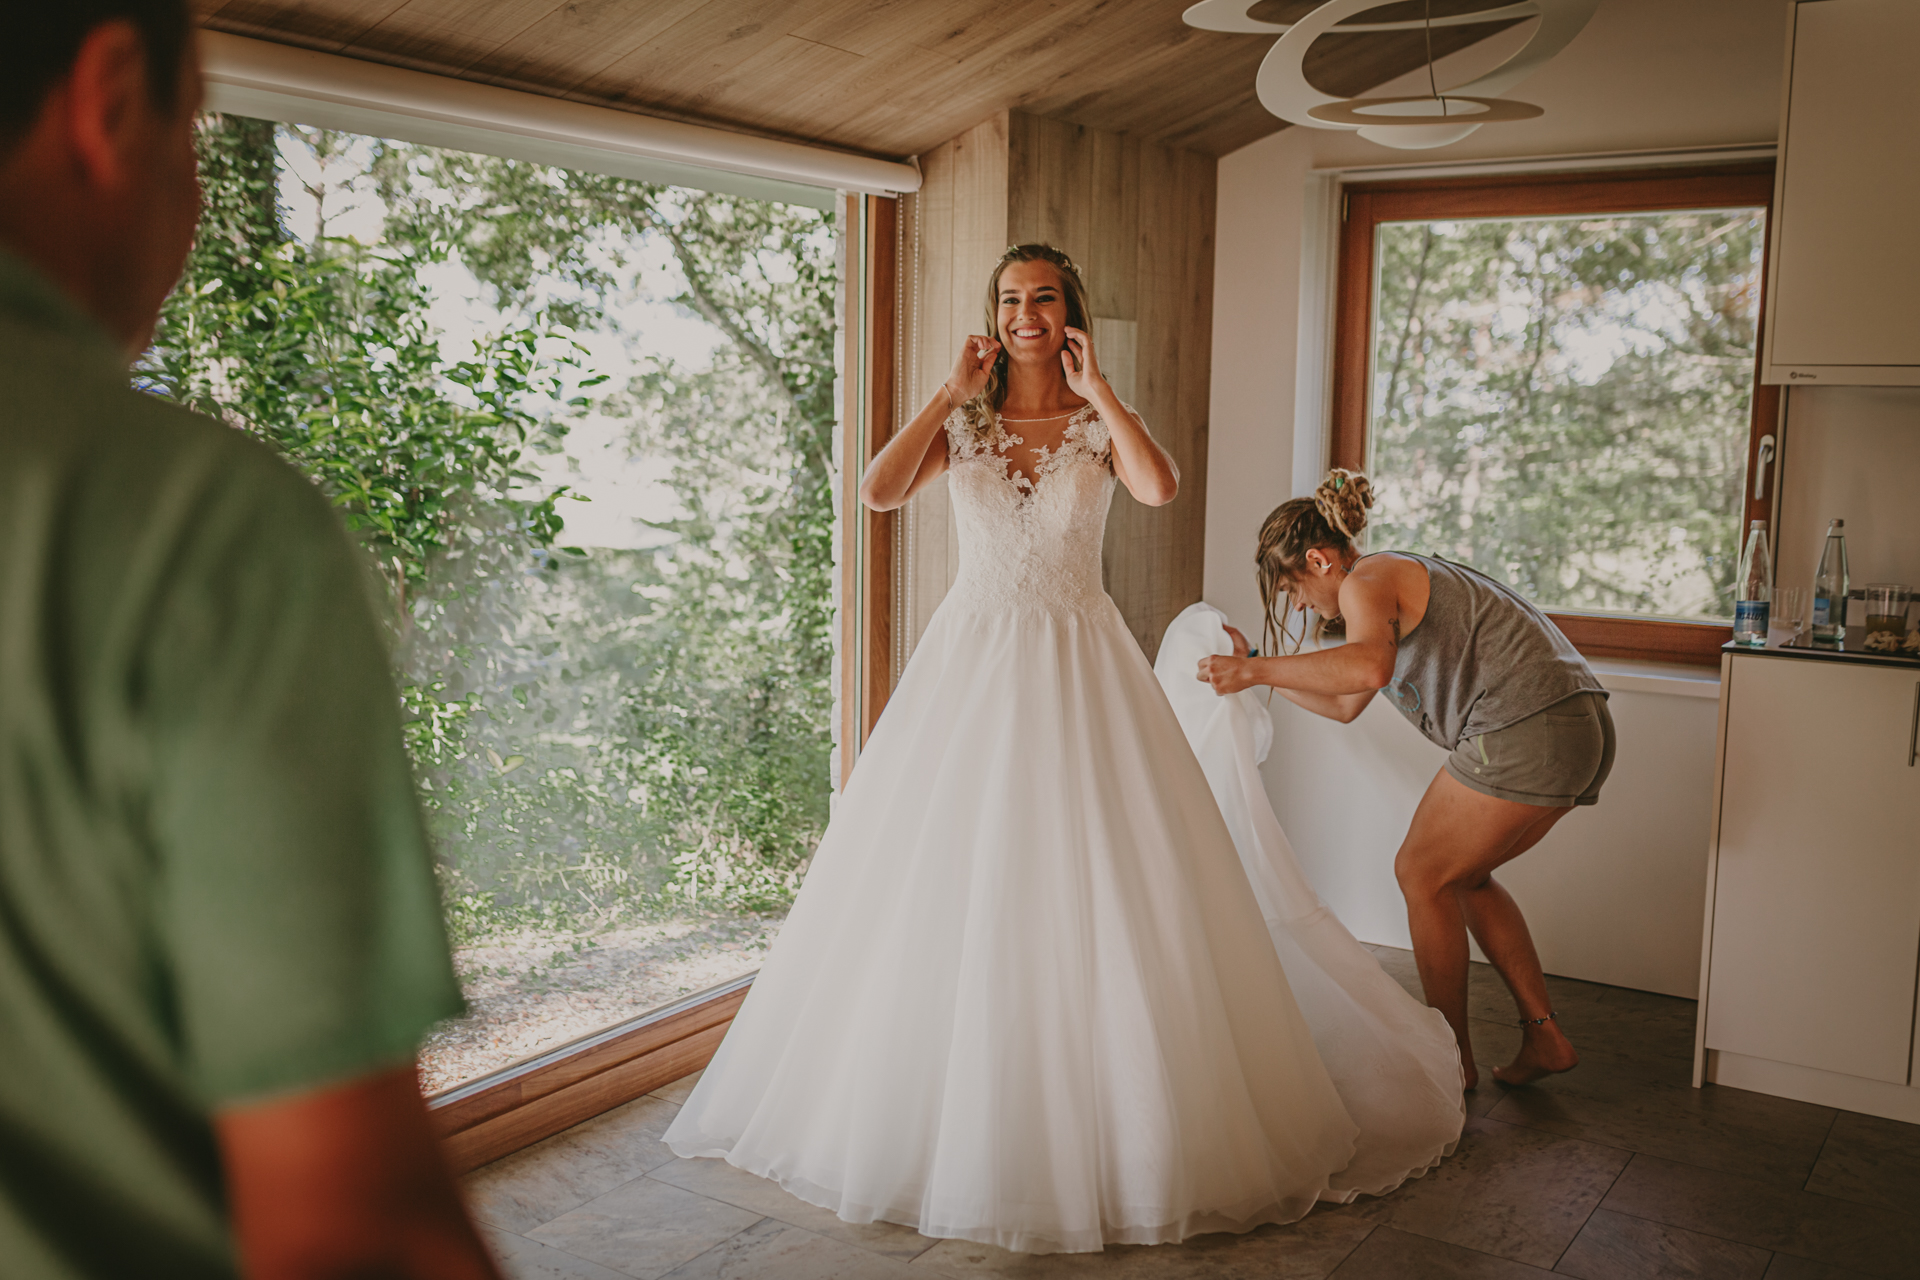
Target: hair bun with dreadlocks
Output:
{"points": [[1344, 498]]}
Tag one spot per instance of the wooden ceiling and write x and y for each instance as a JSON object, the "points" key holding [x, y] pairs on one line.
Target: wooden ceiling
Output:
{"points": [[883, 77]]}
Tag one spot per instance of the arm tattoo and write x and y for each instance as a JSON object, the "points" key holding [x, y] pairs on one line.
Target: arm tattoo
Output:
{"points": [[1394, 624]]}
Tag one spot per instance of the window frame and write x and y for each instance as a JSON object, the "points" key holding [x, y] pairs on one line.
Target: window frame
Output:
{"points": [[869, 416], [1365, 205]]}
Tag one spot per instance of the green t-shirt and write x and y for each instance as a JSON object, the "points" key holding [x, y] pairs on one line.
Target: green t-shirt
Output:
{"points": [[215, 885]]}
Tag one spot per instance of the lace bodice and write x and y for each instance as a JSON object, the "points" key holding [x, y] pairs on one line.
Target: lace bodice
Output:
{"points": [[1030, 543]]}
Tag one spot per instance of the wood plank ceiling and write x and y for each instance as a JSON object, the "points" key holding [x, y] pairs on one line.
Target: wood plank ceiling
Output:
{"points": [[883, 77]]}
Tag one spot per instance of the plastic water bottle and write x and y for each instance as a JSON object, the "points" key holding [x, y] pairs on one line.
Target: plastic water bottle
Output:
{"points": [[1830, 590], [1755, 589]]}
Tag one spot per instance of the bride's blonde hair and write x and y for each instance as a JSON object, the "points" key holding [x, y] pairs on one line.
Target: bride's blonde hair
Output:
{"points": [[979, 411], [1333, 517]]}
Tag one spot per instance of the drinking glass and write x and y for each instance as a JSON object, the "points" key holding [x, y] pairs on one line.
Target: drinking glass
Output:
{"points": [[1790, 611], [1886, 615]]}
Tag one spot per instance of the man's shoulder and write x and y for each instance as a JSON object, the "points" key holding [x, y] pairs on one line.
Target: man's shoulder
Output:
{"points": [[94, 429], [124, 476]]}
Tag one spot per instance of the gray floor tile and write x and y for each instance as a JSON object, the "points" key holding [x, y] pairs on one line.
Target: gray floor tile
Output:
{"points": [[780, 1251], [523, 1190], [1637, 1024], [1787, 1267], [1306, 1250], [645, 1228], [1870, 1161], [1395, 1255], [1652, 1108], [524, 1259], [1613, 1246], [677, 1092], [1508, 1191], [718, 1180], [1786, 1220]]}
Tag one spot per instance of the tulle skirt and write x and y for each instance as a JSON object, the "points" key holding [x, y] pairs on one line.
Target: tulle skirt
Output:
{"points": [[1393, 1059], [1026, 996]]}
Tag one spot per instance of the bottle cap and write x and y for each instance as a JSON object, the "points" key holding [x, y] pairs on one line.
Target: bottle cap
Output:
{"points": [[1757, 524], [1838, 523]]}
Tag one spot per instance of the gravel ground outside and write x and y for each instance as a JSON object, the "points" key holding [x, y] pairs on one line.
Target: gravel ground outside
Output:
{"points": [[530, 991]]}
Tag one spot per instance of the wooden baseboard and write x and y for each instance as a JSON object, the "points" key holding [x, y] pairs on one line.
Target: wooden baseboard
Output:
{"points": [[499, 1113]]}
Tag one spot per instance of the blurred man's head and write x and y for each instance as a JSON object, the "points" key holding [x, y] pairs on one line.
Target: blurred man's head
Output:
{"points": [[98, 187]]}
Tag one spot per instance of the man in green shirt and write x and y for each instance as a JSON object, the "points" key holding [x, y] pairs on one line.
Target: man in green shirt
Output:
{"points": [[219, 936]]}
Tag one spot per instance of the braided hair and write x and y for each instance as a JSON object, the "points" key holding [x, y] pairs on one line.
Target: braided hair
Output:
{"points": [[1333, 517]]}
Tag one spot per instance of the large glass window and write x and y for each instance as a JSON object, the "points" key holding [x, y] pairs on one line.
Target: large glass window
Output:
{"points": [[583, 427], [1553, 378], [1565, 402]]}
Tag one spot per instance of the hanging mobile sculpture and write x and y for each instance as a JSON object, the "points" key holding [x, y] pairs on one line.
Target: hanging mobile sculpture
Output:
{"points": [[1405, 122]]}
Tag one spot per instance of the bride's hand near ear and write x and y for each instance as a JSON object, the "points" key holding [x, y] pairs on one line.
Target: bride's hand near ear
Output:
{"points": [[971, 367], [1080, 365], [917, 454]]}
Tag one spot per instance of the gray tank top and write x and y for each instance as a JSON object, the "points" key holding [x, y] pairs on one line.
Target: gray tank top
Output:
{"points": [[1481, 659]]}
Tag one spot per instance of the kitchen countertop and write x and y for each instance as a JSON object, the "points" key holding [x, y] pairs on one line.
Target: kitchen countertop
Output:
{"points": [[1852, 651]]}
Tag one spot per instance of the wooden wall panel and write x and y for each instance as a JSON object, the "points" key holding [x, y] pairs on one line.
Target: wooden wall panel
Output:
{"points": [[957, 228]]}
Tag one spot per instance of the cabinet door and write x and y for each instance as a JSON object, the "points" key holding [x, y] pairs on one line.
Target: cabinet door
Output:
{"points": [[1846, 269], [1816, 919]]}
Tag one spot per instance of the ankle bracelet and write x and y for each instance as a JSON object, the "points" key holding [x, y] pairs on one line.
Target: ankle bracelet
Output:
{"points": [[1536, 1022]]}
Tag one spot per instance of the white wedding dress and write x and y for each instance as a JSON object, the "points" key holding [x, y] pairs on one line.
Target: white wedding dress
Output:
{"points": [[1026, 995]]}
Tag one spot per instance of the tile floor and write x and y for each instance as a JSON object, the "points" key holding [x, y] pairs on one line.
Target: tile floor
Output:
{"points": [[1618, 1169]]}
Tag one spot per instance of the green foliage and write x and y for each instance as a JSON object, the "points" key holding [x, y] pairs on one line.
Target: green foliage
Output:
{"points": [[1564, 403], [594, 732], [712, 652], [326, 352]]}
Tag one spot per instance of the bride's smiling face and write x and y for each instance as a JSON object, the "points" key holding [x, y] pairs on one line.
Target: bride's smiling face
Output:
{"points": [[1032, 313]]}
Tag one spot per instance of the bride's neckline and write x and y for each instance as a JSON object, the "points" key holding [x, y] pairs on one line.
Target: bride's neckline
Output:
{"points": [[1052, 417]]}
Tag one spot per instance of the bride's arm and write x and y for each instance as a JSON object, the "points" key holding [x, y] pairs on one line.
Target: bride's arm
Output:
{"points": [[1138, 462], [917, 454]]}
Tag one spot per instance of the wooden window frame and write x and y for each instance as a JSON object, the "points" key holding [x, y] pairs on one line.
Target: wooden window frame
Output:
{"points": [[1364, 206], [481, 1120], [869, 417]]}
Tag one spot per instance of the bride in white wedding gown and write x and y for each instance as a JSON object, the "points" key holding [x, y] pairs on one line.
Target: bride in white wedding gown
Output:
{"points": [[1027, 995]]}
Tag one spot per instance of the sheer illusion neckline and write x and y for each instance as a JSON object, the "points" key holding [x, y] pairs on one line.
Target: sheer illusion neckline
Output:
{"points": [[1047, 457]]}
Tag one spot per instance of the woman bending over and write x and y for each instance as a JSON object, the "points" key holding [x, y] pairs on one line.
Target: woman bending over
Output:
{"points": [[1478, 670]]}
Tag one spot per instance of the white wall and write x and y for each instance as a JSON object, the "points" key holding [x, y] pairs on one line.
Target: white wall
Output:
{"points": [[1614, 894]]}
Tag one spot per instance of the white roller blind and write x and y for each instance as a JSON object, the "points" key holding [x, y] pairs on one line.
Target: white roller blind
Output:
{"points": [[299, 86]]}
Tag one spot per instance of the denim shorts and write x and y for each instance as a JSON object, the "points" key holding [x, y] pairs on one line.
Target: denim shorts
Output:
{"points": [[1557, 757]]}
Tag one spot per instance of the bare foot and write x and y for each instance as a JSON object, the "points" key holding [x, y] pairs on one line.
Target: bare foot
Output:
{"points": [[1546, 1053]]}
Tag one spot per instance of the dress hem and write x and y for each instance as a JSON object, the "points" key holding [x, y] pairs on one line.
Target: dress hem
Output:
{"points": [[1194, 1223]]}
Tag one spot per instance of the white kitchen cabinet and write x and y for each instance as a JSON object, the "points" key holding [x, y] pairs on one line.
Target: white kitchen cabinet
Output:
{"points": [[1813, 925], [1843, 301]]}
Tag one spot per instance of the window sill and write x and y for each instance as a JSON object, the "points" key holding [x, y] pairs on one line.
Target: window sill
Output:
{"points": [[516, 1106], [1622, 637], [1621, 675]]}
